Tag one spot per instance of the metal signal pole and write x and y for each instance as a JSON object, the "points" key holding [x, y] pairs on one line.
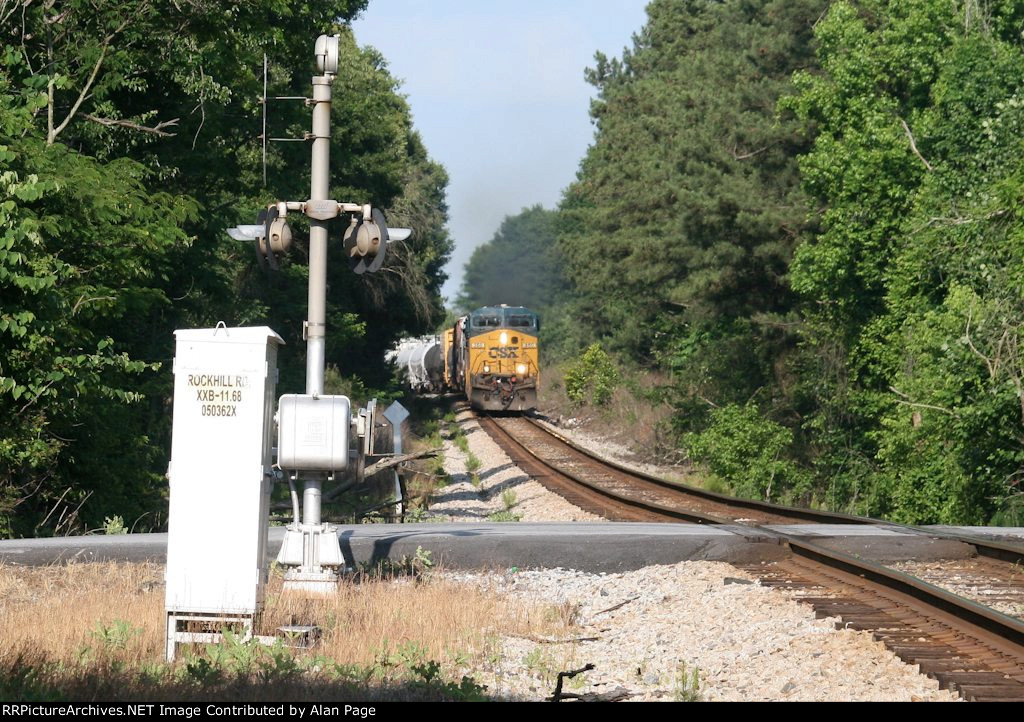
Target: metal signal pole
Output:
{"points": [[315, 327]]}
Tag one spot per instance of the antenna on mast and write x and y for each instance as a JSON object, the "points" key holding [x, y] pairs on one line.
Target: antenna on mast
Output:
{"points": [[264, 136], [265, 101]]}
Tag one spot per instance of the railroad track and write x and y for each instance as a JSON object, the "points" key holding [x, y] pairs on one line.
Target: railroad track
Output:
{"points": [[616, 492], [968, 647]]}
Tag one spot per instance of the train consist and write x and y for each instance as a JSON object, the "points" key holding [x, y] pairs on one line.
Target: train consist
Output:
{"points": [[490, 356]]}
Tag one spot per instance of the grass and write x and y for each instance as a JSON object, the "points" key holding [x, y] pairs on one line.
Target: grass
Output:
{"points": [[95, 631], [508, 501], [544, 664], [686, 686]]}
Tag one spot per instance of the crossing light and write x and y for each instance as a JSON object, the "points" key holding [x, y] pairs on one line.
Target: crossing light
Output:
{"points": [[366, 241]]}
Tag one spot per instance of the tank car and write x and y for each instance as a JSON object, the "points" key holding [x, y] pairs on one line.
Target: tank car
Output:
{"points": [[420, 362]]}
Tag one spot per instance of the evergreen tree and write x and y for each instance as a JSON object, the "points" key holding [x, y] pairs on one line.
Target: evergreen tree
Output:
{"points": [[678, 231], [519, 266]]}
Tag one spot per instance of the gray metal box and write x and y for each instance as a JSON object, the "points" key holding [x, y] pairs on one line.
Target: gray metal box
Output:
{"points": [[313, 432]]}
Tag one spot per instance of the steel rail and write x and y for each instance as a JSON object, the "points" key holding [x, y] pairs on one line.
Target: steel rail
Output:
{"points": [[999, 632], [1001, 551]]}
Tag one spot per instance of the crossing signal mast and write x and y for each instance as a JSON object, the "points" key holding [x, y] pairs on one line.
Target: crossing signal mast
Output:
{"points": [[313, 429], [222, 466]]}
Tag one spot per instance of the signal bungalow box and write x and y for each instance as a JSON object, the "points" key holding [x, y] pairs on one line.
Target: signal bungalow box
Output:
{"points": [[220, 472], [313, 432]]}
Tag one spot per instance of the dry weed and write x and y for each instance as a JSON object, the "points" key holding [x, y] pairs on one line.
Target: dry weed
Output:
{"points": [[95, 631]]}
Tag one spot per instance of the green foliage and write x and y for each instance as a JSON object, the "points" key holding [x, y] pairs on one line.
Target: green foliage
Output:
{"points": [[415, 566], [473, 463], [748, 451], [913, 282], [27, 683], [419, 515], [686, 685], [593, 378], [508, 499], [864, 355], [116, 635], [114, 525], [687, 206], [127, 144], [83, 249], [436, 468], [202, 671]]}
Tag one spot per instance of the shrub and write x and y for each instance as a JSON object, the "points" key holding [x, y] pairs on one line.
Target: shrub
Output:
{"points": [[594, 375], [748, 451]]}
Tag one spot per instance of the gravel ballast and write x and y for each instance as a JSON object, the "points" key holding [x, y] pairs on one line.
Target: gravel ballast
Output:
{"points": [[970, 578], [747, 642], [462, 501]]}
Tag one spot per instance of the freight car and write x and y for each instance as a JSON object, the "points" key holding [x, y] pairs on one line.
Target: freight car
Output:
{"points": [[420, 363]]}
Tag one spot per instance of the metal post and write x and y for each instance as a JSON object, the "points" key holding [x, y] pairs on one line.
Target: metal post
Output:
{"points": [[319, 186], [396, 414], [311, 576]]}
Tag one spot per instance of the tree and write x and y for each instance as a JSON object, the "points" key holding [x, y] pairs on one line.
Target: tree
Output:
{"points": [[913, 282], [678, 231], [131, 141], [82, 248], [519, 266]]}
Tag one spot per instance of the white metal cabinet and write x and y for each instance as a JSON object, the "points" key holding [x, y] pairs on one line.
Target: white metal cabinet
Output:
{"points": [[220, 471]]}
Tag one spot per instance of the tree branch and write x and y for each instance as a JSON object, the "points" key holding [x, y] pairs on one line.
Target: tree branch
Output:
{"points": [[157, 129], [84, 93], [751, 154], [7, 8], [989, 364], [396, 460], [913, 145], [54, 132], [558, 695], [918, 405]]}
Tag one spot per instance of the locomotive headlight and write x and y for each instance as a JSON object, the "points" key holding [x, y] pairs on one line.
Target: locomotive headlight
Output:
{"points": [[503, 338], [521, 369], [487, 368]]}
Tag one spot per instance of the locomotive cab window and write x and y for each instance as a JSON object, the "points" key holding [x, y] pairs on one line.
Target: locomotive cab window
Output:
{"points": [[520, 321], [488, 321]]}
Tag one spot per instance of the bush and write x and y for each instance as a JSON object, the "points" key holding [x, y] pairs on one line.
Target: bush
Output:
{"points": [[594, 375], [748, 450]]}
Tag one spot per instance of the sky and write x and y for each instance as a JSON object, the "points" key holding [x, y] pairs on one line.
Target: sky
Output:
{"points": [[496, 90]]}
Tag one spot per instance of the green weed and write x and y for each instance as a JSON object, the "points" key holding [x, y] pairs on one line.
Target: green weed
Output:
{"points": [[686, 686]]}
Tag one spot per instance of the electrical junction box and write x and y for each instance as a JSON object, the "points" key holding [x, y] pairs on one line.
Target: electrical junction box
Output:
{"points": [[220, 473], [313, 432]]}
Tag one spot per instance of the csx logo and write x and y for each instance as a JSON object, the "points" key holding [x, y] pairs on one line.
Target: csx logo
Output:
{"points": [[503, 352]]}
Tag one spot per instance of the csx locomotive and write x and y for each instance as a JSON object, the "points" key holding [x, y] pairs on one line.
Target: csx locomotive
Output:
{"points": [[491, 356]]}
